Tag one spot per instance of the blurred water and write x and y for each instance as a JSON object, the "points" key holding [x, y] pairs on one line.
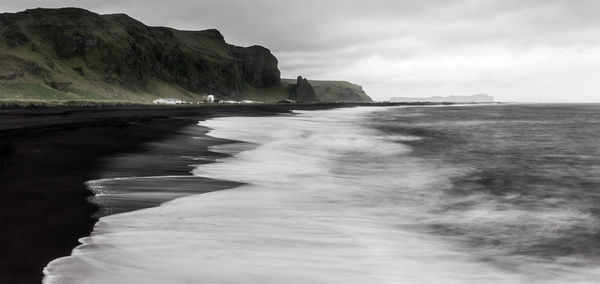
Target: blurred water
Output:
{"points": [[458, 194]]}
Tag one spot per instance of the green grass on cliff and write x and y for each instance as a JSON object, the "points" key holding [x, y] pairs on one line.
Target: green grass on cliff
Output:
{"points": [[31, 91], [16, 103], [23, 93], [115, 57], [74, 55], [335, 91]]}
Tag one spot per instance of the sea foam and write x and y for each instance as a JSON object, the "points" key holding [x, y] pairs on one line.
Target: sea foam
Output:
{"points": [[326, 200]]}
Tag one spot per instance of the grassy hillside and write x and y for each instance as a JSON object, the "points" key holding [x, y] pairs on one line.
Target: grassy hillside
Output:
{"points": [[74, 54], [335, 91]]}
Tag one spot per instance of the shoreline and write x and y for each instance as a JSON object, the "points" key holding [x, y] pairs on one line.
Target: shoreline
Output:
{"points": [[47, 155], [45, 160], [44, 200], [19, 121]]}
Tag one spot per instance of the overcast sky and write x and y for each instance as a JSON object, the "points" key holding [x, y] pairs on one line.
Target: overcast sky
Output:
{"points": [[514, 50]]}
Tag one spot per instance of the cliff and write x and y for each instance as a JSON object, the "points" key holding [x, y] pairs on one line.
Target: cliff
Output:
{"points": [[72, 53], [333, 91]]}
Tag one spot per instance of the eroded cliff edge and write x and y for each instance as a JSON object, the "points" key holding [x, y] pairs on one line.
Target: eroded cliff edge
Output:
{"points": [[75, 54]]}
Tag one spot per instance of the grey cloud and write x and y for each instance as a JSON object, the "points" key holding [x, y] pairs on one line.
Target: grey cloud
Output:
{"points": [[320, 37], [318, 25]]}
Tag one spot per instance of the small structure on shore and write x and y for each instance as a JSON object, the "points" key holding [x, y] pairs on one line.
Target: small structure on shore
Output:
{"points": [[168, 101], [208, 99]]}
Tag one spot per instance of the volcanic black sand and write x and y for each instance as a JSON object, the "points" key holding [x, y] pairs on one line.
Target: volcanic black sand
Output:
{"points": [[47, 155]]}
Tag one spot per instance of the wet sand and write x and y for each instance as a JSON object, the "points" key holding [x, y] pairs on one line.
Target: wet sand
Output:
{"points": [[47, 155], [43, 196]]}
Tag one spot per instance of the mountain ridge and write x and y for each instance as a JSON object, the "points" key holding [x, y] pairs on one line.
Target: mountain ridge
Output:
{"points": [[75, 54]]}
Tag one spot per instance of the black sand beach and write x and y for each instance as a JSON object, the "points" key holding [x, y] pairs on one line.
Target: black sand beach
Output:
{"points": [[47, 155]]}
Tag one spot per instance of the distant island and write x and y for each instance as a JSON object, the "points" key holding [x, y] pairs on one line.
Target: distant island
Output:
{"points": [[72, 54], [478, 98]]}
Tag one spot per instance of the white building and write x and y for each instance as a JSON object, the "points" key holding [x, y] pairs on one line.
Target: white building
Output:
{"points": [[209, 99]]}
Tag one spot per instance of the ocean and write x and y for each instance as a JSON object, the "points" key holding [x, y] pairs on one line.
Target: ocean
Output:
{"points": [[501, 193]]}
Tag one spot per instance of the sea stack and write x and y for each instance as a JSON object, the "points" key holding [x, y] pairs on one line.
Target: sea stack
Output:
{"points": [[304, 91]]}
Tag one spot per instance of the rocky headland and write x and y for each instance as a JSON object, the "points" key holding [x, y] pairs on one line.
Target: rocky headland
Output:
{"points": [[74, 54]]}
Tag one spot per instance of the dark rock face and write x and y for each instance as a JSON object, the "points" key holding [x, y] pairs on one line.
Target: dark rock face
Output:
{"points": [[14, 36], [258, 65], [130, 54], [61, 86], [79, 71], [333, 91], [303, 91]]}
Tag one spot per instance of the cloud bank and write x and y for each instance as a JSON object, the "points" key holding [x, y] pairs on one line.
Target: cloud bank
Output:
{"points": [[525, 51]]}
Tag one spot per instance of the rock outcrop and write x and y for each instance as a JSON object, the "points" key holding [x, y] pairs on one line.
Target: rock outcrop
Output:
{"points": [[303, 91], [258, 66]]}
